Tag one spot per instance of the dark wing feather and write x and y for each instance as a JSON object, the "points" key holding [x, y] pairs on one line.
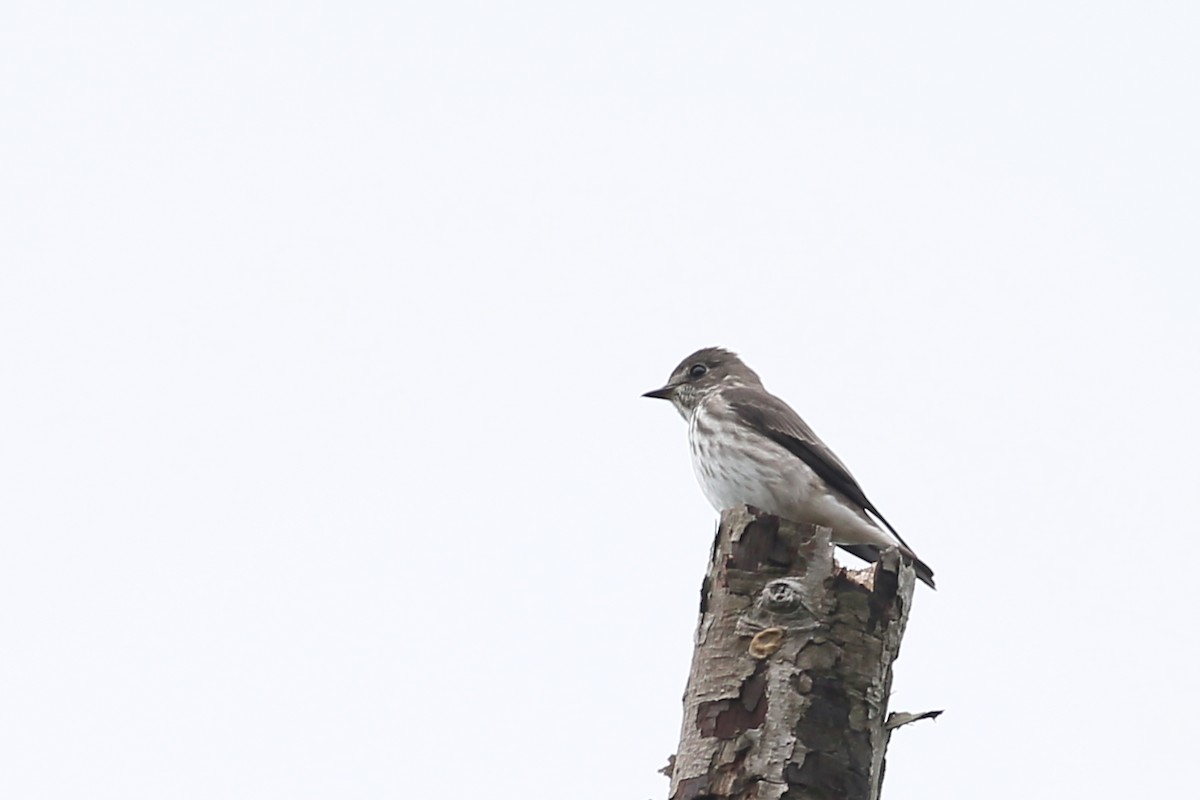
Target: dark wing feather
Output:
{"points": [[776, 420]]}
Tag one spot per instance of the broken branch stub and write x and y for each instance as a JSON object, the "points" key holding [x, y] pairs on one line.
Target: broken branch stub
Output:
{"points": [[787, 696]]}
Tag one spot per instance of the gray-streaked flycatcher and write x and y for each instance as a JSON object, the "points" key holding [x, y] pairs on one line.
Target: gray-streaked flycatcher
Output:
{"points": [[750, 447]]}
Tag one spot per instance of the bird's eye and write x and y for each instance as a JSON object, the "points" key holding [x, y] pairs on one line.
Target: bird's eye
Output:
{"points": [[697, 370]]}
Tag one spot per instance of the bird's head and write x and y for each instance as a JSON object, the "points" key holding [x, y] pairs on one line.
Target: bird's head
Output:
{"points": [[701, 373]]}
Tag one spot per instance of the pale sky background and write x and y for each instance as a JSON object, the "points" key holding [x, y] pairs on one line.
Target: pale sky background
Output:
{"points": [[323, 329]]}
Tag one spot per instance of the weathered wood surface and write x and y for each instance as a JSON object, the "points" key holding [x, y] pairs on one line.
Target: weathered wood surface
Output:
{"points": [[792, 670]]}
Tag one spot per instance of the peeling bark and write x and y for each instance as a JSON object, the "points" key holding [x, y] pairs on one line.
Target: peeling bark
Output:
{"points": [[787, 697]]}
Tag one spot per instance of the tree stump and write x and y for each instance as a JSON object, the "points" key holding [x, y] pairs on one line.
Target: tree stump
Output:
{"points": [[788, 691]]}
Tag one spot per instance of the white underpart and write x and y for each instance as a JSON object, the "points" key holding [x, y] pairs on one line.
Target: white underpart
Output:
{"points": [[786, 486]]}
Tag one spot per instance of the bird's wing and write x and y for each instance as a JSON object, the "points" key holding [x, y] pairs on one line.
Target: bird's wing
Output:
{"points": [[775, 419]]}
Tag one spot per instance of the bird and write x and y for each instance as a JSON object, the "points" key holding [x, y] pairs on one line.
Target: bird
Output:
{"points": [[749, 447]]}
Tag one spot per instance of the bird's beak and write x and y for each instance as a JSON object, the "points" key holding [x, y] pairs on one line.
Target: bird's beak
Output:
{"points": [[662, 394]]}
